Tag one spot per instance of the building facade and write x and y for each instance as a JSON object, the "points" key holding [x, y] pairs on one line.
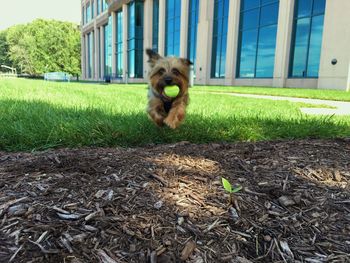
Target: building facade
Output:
{"points": [[280, 43]]}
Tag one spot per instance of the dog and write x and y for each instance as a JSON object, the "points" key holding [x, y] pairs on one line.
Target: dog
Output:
{"points": [[167, 71]]}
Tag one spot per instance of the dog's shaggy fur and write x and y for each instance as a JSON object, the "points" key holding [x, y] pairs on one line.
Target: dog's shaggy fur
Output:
{"points": [[167, 71]]}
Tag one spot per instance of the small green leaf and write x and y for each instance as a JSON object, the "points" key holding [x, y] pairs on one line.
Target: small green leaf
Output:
{"points": [[237, 189], [227, 185]]}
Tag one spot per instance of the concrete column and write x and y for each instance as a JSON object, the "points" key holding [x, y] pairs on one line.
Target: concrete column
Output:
{"points": [[348, 84], [93, 46], [114, 41], [147, 32], [87, 56], [283, 42], [184, 28], [204, 41], [125, 42], [335, 45], [102, 33], [96, 43], [161, 36], [232, 42], [82, 56]]}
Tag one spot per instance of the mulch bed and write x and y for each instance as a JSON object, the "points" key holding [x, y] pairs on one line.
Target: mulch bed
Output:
{"points": [[166, 203]]}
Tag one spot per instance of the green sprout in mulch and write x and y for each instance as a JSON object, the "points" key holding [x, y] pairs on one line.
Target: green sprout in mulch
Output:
{"points": [[230, 189]]}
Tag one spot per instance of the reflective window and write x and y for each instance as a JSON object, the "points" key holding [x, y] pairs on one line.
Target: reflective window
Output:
{"points": [[155, 25], [258, 30], [192, 30], [135, 39], [319, 7], [92, 9], [307, 38], [218, 59], [172, 27], [119, 44], [88, 13], [104, 5], [249, 4], [108, 48], [98, 7]]}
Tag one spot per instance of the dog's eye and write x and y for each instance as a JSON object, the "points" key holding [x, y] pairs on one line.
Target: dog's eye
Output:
{"points": [[175, 72], [161, 71]]}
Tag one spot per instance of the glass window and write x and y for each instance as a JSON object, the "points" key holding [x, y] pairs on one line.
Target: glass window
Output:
{"points": [[258, 30], [104, 5], [98, 7], [192, 30], [249, 4], [108, 48], [248, 53], [119, 28], [269, 14], [88, 13], [135, 39], [220, 25], [304, 8], [155, 25], [92, 9], [315, 46], [250, 19], [307, 38], [319, 7], [302, 30], [172, 27], [266, 52]]}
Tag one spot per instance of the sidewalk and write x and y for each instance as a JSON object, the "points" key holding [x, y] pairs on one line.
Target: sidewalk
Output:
{"points": [[342, 107]]}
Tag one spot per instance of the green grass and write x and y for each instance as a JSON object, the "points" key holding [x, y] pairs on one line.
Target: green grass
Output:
{"points": [[287, 92], [36, 115], [309, 105]]}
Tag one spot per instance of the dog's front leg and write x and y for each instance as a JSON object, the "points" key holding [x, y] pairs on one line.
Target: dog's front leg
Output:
{"points": [[176, 114], [156, 112]]}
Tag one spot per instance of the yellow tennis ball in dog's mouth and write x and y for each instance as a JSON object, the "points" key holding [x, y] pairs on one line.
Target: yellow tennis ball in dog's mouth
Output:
{"points": [[171, 91]]}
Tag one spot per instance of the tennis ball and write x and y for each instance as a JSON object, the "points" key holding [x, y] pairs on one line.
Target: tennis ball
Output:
{"points": [[171, 91]]}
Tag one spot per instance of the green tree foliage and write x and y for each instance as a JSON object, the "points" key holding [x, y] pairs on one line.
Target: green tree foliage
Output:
{"points": [[4, 49], [43, 46]]}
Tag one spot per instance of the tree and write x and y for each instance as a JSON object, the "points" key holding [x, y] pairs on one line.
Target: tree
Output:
{"points": [[44, 46], [4, 50]]}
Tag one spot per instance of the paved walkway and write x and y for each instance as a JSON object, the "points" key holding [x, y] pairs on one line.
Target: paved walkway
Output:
{"points": [[342, 107]]}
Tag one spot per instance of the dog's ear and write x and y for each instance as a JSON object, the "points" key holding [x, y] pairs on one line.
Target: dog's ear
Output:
{"points": [[153, 57], [186, 62]]}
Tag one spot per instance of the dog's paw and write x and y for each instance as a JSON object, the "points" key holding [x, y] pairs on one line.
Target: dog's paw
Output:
{"points": [[159, 122], [157, 119], [172, 123]]}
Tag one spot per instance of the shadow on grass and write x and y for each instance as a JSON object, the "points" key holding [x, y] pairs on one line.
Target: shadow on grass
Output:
{"points": [[36, 125]]}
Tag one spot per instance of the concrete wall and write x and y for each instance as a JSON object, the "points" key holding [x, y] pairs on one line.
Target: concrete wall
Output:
{"points": [[336, 43], [204, 41]]}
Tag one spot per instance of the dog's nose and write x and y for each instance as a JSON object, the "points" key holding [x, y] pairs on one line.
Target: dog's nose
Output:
{"points": [[168, 80]]}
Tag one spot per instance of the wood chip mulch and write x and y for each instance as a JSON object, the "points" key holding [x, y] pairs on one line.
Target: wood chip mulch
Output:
{"points": [[166, 203]]}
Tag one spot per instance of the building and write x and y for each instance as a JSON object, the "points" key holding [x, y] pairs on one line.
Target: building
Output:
{"points": [[280, 43]]}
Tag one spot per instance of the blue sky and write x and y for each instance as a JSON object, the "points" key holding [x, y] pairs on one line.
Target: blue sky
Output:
{"points": [[14, 12]]}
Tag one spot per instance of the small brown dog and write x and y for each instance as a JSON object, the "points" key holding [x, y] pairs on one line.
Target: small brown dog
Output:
{"points": [[167, 71]]}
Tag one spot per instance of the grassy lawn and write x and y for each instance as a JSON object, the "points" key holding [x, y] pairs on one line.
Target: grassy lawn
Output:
{"points": [[36, 115], [287, 92]]}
